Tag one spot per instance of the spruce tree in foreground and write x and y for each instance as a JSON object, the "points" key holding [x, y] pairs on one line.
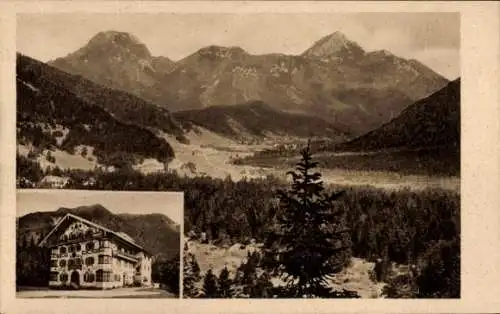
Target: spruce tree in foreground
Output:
{"points": [[309, 240]]}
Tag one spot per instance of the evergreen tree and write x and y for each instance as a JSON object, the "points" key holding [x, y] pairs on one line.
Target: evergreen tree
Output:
{"points": [[167, 273], [441, 276], [309, 239], [263, 287], [225, 284], [210, 288], [191, 273]]}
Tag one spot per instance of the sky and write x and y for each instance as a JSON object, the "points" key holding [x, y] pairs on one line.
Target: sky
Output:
{"points": [[168, 203], [431, 38]]}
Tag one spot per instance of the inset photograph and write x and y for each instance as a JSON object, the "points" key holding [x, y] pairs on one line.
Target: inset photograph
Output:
{"points": [[97, 244]]}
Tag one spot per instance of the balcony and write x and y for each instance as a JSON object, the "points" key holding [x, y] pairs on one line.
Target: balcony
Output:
{"points": [[105, 250], [126, 256], [82, 237]]}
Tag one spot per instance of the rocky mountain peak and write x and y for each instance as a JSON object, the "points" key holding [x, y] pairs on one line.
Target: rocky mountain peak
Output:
{"points": [[114, 43], [335, 45], [114, 37]]}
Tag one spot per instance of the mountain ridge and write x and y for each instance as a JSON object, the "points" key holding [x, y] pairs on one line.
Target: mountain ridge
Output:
{"points": [[362, 90], [257, 119]]}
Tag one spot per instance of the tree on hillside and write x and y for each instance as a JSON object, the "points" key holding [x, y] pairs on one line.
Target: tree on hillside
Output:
{"points": [[166, 272], [263, 287], [225, 284], [32, 263], [210, 289], [441, 276], [309, 239], [191, 274]]}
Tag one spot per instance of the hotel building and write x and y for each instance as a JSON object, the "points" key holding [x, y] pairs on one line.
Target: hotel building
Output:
{"points": [[87, 255]]}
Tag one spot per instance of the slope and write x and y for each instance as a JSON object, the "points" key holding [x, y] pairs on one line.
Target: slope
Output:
{"points": [[122, 105], [257, 119], [50, 116], [431, 122]]}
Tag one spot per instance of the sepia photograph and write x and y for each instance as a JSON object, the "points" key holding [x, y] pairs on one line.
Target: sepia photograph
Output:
{"points": [[318, 153], [97, 244]]}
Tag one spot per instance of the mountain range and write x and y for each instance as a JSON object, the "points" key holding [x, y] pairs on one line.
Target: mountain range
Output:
{"points": [[335, 79], [157, 233], [114, 96]]}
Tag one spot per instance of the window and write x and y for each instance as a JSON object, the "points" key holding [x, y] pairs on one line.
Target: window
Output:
{"points": [[78, 247], [104, 259], [71, 262], [106, 276], [78, 261], [89, 261], [62, 250], [99, 275], [63, 277], [103, 276], [88, 277], [53, 263], [62, 263], [90, 246], [54, 276]]}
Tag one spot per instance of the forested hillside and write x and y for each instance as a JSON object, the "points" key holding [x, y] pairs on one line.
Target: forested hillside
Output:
{"points": [[431, 122], [258, 119], [50, 116]]}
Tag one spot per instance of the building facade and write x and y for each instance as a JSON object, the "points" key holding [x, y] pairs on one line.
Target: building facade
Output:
{"points": [[87, 255]]}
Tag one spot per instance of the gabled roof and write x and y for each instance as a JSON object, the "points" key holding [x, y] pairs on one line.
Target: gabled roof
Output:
{"points": [[71, 216]]}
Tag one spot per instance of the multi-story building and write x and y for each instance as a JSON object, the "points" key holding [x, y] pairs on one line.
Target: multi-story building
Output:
{"points": [[87, 255]]}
